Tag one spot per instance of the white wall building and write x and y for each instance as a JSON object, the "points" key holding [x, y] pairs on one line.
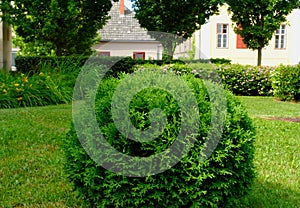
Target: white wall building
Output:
{"points": [[123, 36], [216, 39]]}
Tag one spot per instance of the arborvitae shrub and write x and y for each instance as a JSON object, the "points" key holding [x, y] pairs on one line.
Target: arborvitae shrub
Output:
{"points": [[218, 181]]}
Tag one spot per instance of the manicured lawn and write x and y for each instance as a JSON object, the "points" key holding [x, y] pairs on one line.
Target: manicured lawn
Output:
{"points": [[277, 154], [31, 171]]}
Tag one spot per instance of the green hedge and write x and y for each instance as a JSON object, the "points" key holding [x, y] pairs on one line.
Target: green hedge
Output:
{"points": [[246, 79], [218, 181], [239, 79], [211, 60], [286, 83], [34, 64], [220, 61]]}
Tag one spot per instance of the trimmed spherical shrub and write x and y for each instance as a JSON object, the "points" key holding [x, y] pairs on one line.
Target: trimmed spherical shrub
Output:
{"points": [[218, 181]]}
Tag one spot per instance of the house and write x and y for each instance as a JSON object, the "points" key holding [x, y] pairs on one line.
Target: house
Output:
{"points": [[5, 46], [123, 36], [216, 39]]}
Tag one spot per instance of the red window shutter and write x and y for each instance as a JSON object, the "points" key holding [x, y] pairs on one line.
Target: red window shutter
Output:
{"points": [[239, 42]]}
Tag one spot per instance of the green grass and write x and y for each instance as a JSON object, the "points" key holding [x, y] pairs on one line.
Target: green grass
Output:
{"points": [[277, 157], [270, 107], [31, 173]]}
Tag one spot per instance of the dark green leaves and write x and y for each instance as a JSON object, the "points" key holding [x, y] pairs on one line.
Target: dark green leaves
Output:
{"points": [[61, 27], [180, 18]]}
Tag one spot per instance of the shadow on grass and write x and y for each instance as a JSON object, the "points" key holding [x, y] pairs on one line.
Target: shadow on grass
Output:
{"points": [[266, 194]]}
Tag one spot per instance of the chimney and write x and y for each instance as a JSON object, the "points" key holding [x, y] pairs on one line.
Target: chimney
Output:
{"points": [[122, 7]]}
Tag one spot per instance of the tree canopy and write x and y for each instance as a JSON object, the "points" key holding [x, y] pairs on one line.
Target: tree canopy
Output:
{"points": [[62, 27], [180, 18], [257, 20]]}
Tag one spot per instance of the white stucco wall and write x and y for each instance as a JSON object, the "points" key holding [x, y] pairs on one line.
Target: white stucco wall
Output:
{"points": [[270, 56], [293, 36], [204, 46], [153, 50], [182, 50]]}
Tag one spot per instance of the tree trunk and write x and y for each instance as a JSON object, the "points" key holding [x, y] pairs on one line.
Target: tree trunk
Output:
{"points": [[169, 54], [58, 51], [169, 48], [259, 55], [7, 46]]}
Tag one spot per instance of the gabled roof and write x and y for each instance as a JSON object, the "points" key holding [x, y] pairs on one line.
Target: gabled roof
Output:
{"points": [[123, 27]]}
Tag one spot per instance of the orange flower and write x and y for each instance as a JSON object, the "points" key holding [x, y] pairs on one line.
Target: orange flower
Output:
{"points": [[16, 85]]}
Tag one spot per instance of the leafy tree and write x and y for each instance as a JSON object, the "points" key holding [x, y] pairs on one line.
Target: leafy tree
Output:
{"points": [[36, 48], [62, 27], [257, 20], [180, 18]]}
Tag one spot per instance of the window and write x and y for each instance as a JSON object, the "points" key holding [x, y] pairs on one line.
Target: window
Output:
{"points": [[104, 53], [280, 37], [139, 55], [222, 35]]}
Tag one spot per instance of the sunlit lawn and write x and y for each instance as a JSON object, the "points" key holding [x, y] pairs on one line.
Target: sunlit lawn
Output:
{"points": [[277, 154], [31, 169], [31, 172]]}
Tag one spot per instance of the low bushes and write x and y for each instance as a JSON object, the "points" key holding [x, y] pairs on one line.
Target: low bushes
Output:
{"points": [[282, 81], [50, 80], [34, 64], [220, 61], [286, 83], [218, 181], [211, 60], [239, 79], [45, 88], [247, 80]]}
